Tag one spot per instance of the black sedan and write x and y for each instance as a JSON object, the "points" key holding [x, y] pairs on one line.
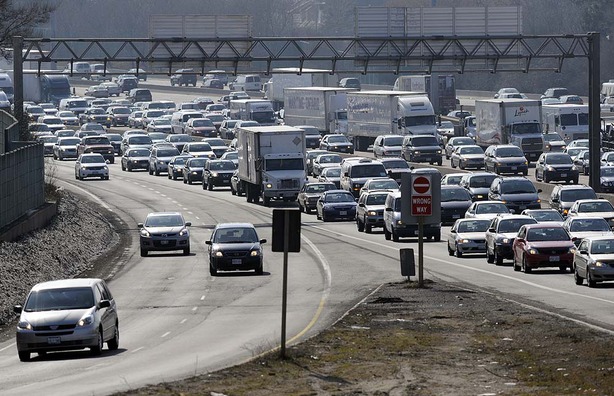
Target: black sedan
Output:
{"points": [[235, 247], [310, 193], [606, 179], [337, 143], [193, 169], [455, 200], [336, 205]]}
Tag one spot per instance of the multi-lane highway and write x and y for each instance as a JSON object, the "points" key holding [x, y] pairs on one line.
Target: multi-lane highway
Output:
{"points": [[176, 320]]}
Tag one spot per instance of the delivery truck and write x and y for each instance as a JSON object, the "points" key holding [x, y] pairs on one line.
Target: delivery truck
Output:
{"points": [[294, 77], [322, 107], [510, 121], [46, 88], [441, 89], [570, 121], [374, 113], [271, 162], [258, 110]]}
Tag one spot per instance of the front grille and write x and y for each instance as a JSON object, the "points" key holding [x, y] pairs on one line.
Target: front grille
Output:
{"points": [[163, 235], [235, 254], [553, 251], [48, 328], [480, 241], [532, 144], [54, 333], [288, 183], [95, 168], [169, 244]]}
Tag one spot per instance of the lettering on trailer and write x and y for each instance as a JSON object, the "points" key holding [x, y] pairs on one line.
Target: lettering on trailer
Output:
{"points": [[421, 197], [520, 111]]}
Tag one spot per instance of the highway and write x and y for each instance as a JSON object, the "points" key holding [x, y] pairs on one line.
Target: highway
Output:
{"points": [[176, 320]]}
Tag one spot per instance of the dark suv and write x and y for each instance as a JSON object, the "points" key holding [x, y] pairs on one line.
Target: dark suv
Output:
{"points": [[139, 95], [556, 167], [478, 184], [518, 193], [562, 197], [160, 157], [183, 77], [421, 148], [217, 173], [501, 234]]}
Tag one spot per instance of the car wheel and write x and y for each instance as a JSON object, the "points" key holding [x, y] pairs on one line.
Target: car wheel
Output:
{"points": [[589, 279], [576, 180], [233, 191], [156, 171], [368, 228], [300, 207], [168, 175], [113, 343], [395, 237], [545, 178], [76, 176], [536, 175], [174, 176], [186, 251], [440, 162], [585, 171], [450, 251], [205, 186], [323, 217], [210, 186], [185, 180], [457, 252], [24, 356], [123, 167], [97, 350], [490, 258], [576, 277], [55, 157], [497, 258], [307, 210], [516, 266], [386, 234], [562, 268], [260, 270], [360, 226], [452, 164], [212, 270], [461, 166], [150, 170], [525, 268], [143, 252], [524, 173]]}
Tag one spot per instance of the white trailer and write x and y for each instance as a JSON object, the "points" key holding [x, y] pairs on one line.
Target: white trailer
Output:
{"points": [[322, 107], [441, 89], [271, 162], [294, 77], [570, 121], [510, 121], [374, 113], [258, 110]]}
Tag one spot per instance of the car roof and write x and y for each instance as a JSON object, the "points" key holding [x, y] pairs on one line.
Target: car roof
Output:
{"points": [[234, 225], [164, 214], [599, 238], [66, 283], [544, 225]]}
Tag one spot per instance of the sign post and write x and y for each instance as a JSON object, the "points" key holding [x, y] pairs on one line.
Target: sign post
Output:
{"points": [[421, 206]]}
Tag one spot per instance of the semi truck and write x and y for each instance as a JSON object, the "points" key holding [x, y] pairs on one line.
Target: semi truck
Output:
{"points": [[374, 113], [322, 107], [568, 120], [441, 89], [252, 110], [46, 88], [294, 77], [271, 162], [510, 121]]}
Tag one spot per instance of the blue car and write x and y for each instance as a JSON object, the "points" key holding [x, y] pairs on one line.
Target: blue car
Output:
{"points": [[336, 205]]}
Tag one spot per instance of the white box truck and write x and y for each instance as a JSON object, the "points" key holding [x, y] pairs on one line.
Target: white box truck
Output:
{"points": [[441, 89], [271, 162], [46, 88], [510, 121], [374, 113], [252, 110], [570, 121], [294, 77], [322, 107]]}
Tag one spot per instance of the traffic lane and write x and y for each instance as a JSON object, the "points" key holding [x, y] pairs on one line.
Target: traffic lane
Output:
{"points": [[151, 311]]}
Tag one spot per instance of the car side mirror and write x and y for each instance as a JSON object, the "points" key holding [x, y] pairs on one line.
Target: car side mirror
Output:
{"points": [[208, 242], [583, 251], [362, 205], [262, 241], [17, 309], [452, 231], [188, 223], [555, 200], [140, 225], [388, 209], [539, 190], [104, 304], [512, 211], [491, 229]]}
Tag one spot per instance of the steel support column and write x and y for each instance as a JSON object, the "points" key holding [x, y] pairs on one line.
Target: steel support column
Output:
{"points": [[594, 111], [18, 78]]}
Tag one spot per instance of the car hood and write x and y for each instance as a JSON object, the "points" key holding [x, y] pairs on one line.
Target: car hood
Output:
{"points": [[584, 234], [509, 235], [479, 190], [605, 215], [550, 244], [602, 257], [375, 207], [339, 144], [138, 158], [486, 215], [561, 166], [472, 156], [471, 235], [426, 148], [164, 230], [510, 160], [519, 197], [456, 204], [340, 204], [226, 247], [46, 318], [93, 165], [323, 166]]}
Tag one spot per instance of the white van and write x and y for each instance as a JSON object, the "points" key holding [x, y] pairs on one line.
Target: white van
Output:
{"points": [[180, 118], [81, 69], [76, 105], [218, 75], [247, 82], [6, 85]]}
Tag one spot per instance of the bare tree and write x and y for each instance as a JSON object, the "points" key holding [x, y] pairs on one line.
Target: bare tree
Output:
{"points": [[16, 20]]}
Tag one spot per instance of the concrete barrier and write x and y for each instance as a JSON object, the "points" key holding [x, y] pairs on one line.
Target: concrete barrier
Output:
{"points": [[33, 220]]}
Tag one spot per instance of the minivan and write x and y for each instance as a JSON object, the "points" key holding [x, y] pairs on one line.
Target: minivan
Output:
{"points": [[179, 119], [83, 69], [76, 105], [139, 95], [421, 148], [248, 82], [354, 174]]}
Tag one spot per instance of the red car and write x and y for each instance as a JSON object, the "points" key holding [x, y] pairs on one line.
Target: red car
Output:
{"points": [[543, 245]]}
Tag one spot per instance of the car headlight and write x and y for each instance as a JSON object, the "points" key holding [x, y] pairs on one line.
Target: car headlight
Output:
{"points": [[599, 264], [550, 169], [526, 162], [539, 200], [532, 251], [479, 196], [255, 253], [464, 241], [399, 222], [506, 240], [135, 161], [219, 254], [572, 250], [438, 151], [371, 213], [86, 320], [105, 167], [215, 174], [145, 233], [194, 172], [184, 232], [416, 151], [24, 325], [268, 185], [161, 162], [574, 168]]}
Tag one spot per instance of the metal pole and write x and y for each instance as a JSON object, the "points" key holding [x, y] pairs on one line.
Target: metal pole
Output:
{"points": [[420, 251], [18, 78], [284, 292], [594, 111]]}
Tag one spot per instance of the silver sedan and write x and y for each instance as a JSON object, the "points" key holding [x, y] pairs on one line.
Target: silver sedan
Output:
{"points": [[468, 236]]}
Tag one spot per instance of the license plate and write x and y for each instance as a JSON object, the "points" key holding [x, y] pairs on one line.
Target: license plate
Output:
{"points": [[163, 242], [514, 167], [54, 340], [456, 216], [343, 212], [554, 258], [563, 174], [236, 261], [226, 181], [415, 232]]}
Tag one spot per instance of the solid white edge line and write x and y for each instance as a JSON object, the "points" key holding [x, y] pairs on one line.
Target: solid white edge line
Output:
{"points": [[94, 197], [8, 346]]}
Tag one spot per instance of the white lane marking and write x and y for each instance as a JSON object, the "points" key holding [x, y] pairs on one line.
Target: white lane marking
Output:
{"points": [[508, 277], [197, 218], [183, 321], [7, 347], [165, 334], [175, 202], [137, 349], [190, 213], [194, 308], [163, 195], [183, 208], [150, 189], [94, 197], [202, 298]]}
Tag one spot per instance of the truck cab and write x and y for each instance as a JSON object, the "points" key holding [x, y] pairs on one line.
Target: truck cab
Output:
{"points": [[416, 116]]}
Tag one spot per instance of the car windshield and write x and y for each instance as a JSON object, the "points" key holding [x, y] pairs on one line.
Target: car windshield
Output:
{"points": [[517, 187], [452, 180], [153, 114], [231, 156], [179, 138], [235, 235], [66, 114], [275, 164], [329, 159], [547, 234], [574, 195], [140, 140], [51, 121], [462, 142], [470, 150], [332, 172], [167, 220], [314, 154], [168, 153], [447, 124], [97, 140], [338, 139], [216, 142], [48, 139], [179, 160], [592, 207], [399, 164], [120, 110], [222, 165], [69, 142], [605, 246], [96, 110], [197, 162], [546, 215], [393, 141], [491, 208], [593, 224], [202, 123], [509, 152], [552, 137], [373, 170], [92, 159], [482, 181], [138, 153], [607, 171], [473, 226], [575, 151], [454, 194], [419, 120], [318, 188], [376, 199], [339, 197], [559, 159], [513, 225], [161, 121], [60, 299], [425, 141], [77, 103], [387, 184], [200, 147]]}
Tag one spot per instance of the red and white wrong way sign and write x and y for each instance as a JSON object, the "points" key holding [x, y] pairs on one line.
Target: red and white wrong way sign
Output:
{"points": [[421, 197]]}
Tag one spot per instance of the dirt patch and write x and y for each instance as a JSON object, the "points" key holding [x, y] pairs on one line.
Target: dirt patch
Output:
{"points": [[438, 340]]}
